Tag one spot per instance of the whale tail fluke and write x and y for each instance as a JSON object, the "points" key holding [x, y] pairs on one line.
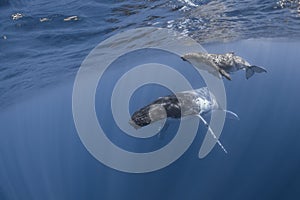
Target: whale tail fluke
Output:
{"points": [[250, 70]]}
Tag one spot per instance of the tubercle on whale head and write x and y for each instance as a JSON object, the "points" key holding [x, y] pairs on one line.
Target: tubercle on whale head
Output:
{"points": [[147, 115], [140, 118]]}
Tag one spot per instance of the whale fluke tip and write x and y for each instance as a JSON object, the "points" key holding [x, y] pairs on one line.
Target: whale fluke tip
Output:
{"points": [[252, 69]]}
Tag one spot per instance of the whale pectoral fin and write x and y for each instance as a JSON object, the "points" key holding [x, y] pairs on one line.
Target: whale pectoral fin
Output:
{"points": [[221, 71], [231, 115], [216, 74], [212, 133], [225, 74], [183, 58]]}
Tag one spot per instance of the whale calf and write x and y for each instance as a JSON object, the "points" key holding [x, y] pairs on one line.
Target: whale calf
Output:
{"points": [[182, 104], [221, 64]]}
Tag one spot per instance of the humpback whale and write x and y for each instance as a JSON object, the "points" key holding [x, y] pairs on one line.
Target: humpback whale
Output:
{"points": [[221, 64], [182, 104]]}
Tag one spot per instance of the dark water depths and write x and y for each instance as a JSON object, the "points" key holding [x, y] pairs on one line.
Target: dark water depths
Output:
{"points": [[41, 155]]}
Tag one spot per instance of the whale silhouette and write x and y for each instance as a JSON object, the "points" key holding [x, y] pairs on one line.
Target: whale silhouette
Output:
{"points": [[221, 64], [179, 105]]}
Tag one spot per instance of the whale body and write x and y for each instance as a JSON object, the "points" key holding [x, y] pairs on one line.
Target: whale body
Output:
{"points": [[179, 105], [222, 64]]}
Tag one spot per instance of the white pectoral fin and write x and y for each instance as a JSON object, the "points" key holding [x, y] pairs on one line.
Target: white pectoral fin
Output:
{"points": [[231, 115], [216, 74], [212, 133]]}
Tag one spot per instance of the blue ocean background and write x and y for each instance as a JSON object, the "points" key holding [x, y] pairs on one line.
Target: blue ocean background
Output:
{"points": [[42, 45]]}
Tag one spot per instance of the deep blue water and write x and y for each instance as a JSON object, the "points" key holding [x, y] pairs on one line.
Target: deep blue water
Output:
{"points": [[41, 155]]}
